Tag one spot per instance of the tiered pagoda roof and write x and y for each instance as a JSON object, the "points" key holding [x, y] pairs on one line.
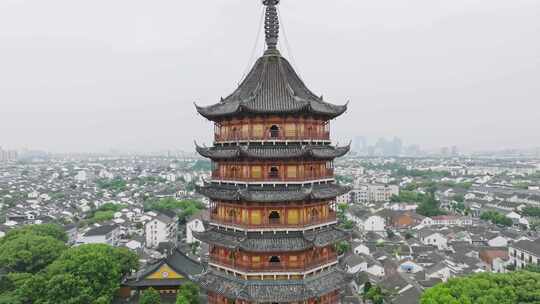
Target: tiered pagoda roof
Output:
{"points": [[273, 91], [272, 241], [273, 151], [279, 193], [272, 87], [274, 291]]}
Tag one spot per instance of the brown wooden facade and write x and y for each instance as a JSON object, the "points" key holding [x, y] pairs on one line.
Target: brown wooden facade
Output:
{"points": [[302, 261], [273, 171], [273, 215], [272, 128]]}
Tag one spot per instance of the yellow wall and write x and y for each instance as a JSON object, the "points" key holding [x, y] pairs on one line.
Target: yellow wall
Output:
{"points": [[165, 272]]}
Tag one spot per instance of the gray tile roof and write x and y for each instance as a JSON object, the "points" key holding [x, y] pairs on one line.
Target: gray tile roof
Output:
{"points": [[102, 230], [273, 151], [270, 241], [529, 246], [272, 194], [275, 290], [272, 87]]}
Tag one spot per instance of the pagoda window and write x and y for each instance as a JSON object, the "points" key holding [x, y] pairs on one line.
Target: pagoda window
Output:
{"points": [[314, 214], [234, 172], [301, 129], [291, 171], [311, 172], [245, 131], [290, 130], [256, 172], [258, 131], [293, 217], [274, 260], [234, 133], [256, 217], [274, 217], [231, 215], [274, 172], [274, 131]]}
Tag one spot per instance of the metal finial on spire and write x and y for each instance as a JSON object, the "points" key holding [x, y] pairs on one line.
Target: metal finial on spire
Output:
{"points": [[271, 23]]}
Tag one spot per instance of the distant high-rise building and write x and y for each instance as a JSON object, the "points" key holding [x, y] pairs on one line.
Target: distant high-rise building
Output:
{"points": [[412, 150], [7, 155], [360, 144], [455, 151], [396, 146]]}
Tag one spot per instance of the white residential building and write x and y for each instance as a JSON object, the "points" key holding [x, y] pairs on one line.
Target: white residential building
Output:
{"points": [[373, 193], [161, 228], [433, 238], [374, 223], [524, 252], [106, 234], [194, 225]]}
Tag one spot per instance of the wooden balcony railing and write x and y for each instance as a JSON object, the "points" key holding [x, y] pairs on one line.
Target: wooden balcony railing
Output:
{"points": [[272, 135], [272, 223], [272, 266], [273, 177]]}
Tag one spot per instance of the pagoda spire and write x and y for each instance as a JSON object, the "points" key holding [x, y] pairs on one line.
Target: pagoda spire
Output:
{"points": [[271, 24]]}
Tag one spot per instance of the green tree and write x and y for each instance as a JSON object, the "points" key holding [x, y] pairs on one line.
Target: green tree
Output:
{"points": [[367, 287], [531, 211], [342, 247], [101, 267], [127, 260], [496, 218], [429, 206], [409, 235], [150, 296], [64, 288], [188, 293], [27, 252], [460, 198], [202, 165], [375, 294], [486, 288], [51, 230]]}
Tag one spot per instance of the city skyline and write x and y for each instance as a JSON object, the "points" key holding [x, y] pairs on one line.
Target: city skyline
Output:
{"points": [[442, 76]]}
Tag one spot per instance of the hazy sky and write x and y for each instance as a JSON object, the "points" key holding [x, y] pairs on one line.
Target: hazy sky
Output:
{"points": [[99, 74]]}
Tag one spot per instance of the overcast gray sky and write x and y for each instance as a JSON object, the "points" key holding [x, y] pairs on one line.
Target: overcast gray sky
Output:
{"points": [[94, 75]]}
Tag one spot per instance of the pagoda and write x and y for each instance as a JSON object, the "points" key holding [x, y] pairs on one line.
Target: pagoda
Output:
{"points": [[273, 226]]}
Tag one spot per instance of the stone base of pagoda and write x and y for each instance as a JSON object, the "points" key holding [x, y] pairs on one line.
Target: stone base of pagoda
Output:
{"points": [[331, 298]]}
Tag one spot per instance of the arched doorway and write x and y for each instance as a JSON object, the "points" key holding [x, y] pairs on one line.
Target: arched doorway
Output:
{"points": [[274, 261], [274, 217], [274, 131], [274, 172]]}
